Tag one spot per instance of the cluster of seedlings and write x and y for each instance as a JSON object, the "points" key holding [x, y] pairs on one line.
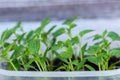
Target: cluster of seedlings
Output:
{"points": [[25, 51]]}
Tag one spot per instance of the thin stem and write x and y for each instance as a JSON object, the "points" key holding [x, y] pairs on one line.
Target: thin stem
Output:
{"points": [[38, 65], [42, 66], [99, 66], [51, 60], [13, 65], [23, 64], [81, 54], [103, 64], [71, 66]]}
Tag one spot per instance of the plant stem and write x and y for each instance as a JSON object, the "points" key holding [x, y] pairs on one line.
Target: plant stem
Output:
{"points": [[51, 60], [13, 65], [23, 64], [71, 66], [38, 65], [81, 54], [43, 66], [99, 66]]}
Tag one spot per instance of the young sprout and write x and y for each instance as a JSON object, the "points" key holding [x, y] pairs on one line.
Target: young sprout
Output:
{"points": [[41, 50]]}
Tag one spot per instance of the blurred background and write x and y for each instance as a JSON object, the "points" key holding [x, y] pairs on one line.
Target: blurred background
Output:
{"points": [[35, 10]]}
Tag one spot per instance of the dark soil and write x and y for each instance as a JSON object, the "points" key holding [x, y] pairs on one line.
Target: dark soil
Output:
{"points": [[57, 63]]}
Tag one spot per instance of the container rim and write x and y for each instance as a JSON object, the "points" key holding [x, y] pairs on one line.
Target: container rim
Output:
{"points": [[60, 74]]}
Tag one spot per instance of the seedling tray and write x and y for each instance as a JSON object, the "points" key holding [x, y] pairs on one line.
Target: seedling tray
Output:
{"points": [[61, 75], [78, 75]]}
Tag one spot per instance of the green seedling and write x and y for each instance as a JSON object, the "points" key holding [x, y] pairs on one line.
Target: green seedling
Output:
{"points": [[100, 52], [25, 51]]}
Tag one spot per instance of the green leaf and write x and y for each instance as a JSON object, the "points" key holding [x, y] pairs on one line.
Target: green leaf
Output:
{"points": [[6, 44], [6, 34], [93, 49], [114, 36], [18, 25], [72, 26], [44, 23], [17, 64], [18, 50], [44, 37], [57, 46], [5, 52], [30, 35], [97, 36], [20, 37], [90, 67], [68, 43], [70, 21], [34, 46], [65, 55], [94, 60], [115, 52], [59, 32], [51, 29], [75, 40], [78, 64], [69, 49], [75, 62], [64, 67], [30, 62], [104, 33], [81, 64], [82, 33], [84, 47]]}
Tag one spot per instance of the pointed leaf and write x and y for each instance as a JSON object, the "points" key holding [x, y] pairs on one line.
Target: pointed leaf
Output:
{"points": [[115, 52], [65, 55], [81, 64], [70, 21], [18, 25], [93, 49], [59, 32], [104, 33], [94, 60], [17, 51], [20, 37], [114, 36], [97, 36], [30, 62], [51, 29], [44, 23], [84, 32], [30, 35], [75, 40], [90, 67], [84, 47], [6, 34], [34, 46], [68, 43], [75, 62]]}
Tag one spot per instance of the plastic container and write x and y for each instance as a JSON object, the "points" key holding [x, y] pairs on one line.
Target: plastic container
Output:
{"points": [[79, 75]]}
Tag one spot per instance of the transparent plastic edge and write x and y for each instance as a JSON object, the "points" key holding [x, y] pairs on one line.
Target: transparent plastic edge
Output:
{"points": [[60, 74]]}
